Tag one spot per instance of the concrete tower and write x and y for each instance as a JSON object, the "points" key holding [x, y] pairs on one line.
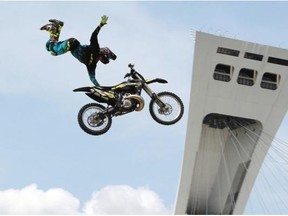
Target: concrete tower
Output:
{"points": [[239, 91]]}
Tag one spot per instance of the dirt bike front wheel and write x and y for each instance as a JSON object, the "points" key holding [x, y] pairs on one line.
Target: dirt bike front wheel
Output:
{"points": [[91, 120], [167, 108]]}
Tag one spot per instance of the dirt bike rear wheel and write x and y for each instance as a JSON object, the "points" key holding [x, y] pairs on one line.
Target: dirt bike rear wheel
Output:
{"points": [[91, 121], [169, 114]]}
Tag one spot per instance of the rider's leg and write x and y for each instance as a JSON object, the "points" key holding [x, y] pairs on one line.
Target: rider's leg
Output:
{"points": [[53, 45], [61, 47]]}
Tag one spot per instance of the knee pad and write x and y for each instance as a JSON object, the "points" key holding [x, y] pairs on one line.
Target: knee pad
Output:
{"points": [[72, 44]]}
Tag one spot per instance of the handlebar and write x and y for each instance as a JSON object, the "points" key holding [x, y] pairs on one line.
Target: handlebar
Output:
{"points": [[131, 65], [133, 73], [127, 75]]}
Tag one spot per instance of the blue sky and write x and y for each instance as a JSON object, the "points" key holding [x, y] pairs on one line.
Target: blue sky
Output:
{"points": [[44, 155]]}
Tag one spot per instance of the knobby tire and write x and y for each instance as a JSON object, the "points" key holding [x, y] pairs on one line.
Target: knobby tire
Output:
{"points": [[88, 130], [179, 102]]}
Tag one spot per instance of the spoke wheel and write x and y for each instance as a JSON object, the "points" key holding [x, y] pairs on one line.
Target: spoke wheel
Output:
{"points": [[169, 114], [92, 121]]}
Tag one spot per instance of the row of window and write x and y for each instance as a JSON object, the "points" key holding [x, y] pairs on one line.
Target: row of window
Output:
{"points": [[252, 56], [246, 76]]}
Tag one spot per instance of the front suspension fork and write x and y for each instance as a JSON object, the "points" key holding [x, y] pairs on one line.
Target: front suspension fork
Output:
{"points": [[154, 96]]}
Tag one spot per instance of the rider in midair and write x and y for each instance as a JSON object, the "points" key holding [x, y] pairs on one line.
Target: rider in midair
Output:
{"points": [[86, 54]]}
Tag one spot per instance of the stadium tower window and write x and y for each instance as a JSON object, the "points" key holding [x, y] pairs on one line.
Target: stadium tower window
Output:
{"points": [[253, 56], [278, 61], [223, 72], [247, 77], [270, 81], [227, 51]]}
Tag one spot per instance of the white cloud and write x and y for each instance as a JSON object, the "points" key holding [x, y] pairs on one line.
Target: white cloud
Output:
{"points": [[31, 200], [109, 200], [125, 200]]}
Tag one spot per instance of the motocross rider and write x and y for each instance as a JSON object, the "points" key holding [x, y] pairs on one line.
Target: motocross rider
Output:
{"points": [[86, 54]]}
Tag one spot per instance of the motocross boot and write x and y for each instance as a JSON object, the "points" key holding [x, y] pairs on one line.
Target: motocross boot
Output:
{"points": [[58, 23], [54, 28], [47, 27]]}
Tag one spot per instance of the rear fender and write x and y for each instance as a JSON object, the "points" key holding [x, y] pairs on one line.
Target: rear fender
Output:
{"points": [[159, 80], [83, 89], [99, 95]]}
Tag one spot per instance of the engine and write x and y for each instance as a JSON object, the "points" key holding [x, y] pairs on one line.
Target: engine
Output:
{"points": [[130, 101], [127, 103]]}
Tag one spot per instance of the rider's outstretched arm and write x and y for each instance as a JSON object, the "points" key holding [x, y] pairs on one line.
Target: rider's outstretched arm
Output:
{"points": [[94, 39], [93, 79], [91, 72]]}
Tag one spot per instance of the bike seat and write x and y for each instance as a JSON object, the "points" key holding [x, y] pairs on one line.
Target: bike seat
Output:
{"points": [[111, 87], [104, 87]]}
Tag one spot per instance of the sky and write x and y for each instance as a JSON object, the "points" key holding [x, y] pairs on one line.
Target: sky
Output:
{"points": [[48, 165]]}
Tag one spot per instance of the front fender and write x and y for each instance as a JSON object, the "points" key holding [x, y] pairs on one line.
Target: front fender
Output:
{"points": [[159, 80]]}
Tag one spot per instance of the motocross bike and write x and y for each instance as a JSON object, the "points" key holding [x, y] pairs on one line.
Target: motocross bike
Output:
{"points": [[95, 119]]}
